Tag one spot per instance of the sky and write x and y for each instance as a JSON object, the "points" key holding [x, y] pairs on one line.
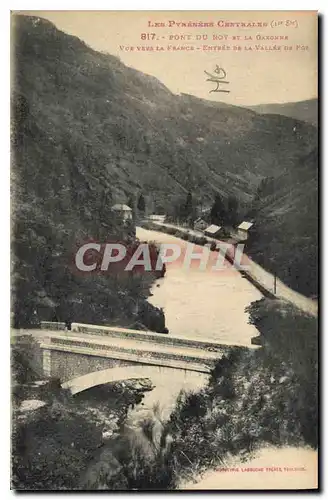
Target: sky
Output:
{"points": [[255, 76]]}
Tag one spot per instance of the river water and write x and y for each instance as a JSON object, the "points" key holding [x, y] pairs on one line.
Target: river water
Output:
{"points": [[202, 304]]}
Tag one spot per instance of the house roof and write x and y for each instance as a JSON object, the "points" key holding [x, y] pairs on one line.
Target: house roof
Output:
{"points": [[157, 217], [121, 207], [212, 229], [199, 220], [245, 225], [205, 209]]}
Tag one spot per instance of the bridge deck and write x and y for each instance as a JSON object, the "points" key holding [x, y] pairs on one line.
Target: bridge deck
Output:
{"points": [[195, 356], [123, 344], [152, 343]]}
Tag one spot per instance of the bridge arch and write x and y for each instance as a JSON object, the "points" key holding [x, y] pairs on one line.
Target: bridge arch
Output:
{"points": [[159, 375]]}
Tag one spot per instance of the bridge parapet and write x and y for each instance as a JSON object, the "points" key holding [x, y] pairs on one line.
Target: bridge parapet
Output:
{"points": [[67, 356], [51, 325], [88, 349], [158, 338]]}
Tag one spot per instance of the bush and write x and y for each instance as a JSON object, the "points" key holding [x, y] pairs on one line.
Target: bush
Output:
{"points": [[51, 448], [266, 396], [213, 246], [137, 459], [23, 368], [153, 317]]}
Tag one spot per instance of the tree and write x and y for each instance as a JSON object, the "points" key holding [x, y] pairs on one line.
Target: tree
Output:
{"points": [[141, 203], [218, 213], [232, 210], [175, 208], [131, 201], [103, 202], [188, 207], [131, 204]]}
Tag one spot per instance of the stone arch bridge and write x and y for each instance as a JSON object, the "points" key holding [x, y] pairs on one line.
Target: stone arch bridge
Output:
{"points": [[91, 355]]}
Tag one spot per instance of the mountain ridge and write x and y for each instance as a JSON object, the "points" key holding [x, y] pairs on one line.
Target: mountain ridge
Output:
{"points": [[150, 124], [306, 110]]}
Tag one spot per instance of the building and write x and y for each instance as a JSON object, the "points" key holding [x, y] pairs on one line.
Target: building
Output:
{"points": [[205, 211], [243, 230], [213, 231], [200, 224], [157, 218], [123, 210]]}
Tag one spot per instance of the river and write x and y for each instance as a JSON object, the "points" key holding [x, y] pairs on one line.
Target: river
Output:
{"points": [[202, 304]]}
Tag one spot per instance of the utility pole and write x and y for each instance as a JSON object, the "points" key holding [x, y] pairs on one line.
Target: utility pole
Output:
{"points": [[275, 283], [274, 272]]}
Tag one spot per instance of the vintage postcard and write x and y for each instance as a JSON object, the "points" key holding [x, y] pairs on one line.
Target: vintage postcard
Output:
{"points": [[164, 302]]}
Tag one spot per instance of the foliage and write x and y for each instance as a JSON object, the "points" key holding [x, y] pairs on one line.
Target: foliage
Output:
{"points": [[132, 205], [50, 450], [232, 212], [187, 211], [218, 211], [136, 459], [141, 203], [253, 398], [22, 360], [285, 235]]}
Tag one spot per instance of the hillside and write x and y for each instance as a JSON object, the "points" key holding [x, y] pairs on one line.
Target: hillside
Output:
{"points": [[285, 239], [89, 131], [124, 128], [306, 111]]}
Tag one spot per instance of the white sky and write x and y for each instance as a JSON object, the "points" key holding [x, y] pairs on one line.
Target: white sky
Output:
{"points": [[255, 76]]}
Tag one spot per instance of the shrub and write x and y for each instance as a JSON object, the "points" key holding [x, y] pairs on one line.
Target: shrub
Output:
{"points": [[253, 397], [51, 448]]}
